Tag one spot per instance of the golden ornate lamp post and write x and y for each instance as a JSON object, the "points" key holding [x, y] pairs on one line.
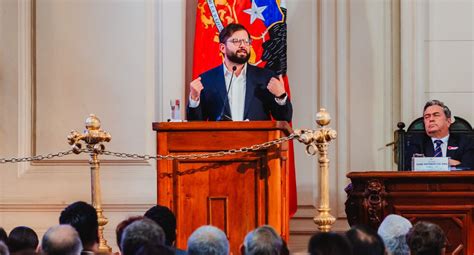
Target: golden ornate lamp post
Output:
{"points": [[318, 141], [93, 136]]}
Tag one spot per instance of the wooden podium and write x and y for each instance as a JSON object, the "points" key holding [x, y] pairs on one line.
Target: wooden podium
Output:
{"points": [[235, 193], [444, 198]]}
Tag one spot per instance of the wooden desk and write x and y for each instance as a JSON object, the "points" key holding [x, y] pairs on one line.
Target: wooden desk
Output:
{"points": [[444, 198]]}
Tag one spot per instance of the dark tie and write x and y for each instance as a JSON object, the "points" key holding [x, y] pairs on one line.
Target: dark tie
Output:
{"points": [[438, 152]]}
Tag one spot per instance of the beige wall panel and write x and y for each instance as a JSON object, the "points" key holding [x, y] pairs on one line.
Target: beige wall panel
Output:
{"points": [[451, 66], [461, 104], [302, 74], [451, 20]]}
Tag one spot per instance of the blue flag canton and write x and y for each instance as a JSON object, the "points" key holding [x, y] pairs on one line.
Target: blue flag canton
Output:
{"points": [[272, 13]]}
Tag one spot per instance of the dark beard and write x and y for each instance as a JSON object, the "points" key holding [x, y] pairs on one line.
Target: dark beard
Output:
{"points": [[234, 57]]}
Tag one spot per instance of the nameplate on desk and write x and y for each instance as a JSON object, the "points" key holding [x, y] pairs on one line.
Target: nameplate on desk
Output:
{"points": [[430, 164]]}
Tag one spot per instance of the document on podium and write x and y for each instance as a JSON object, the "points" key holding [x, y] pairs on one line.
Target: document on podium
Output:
{"points": [[430, 163]]}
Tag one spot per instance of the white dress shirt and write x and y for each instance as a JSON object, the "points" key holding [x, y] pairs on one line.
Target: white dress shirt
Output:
{"points": [[236, 92]]}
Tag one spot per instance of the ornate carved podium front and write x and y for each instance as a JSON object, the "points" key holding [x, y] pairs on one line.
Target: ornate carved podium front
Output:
{"points": [[444, 198], [235, 192]]}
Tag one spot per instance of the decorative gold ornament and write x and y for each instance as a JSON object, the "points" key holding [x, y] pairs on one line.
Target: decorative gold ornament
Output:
{"points": [[318, 141], [93, 136]]}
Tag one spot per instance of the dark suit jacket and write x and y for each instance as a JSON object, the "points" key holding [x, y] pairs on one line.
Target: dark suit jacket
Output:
{"points": [[259, 104], [460, 148]]}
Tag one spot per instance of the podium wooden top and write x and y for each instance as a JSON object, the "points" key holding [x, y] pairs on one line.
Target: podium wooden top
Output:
{"points": [[222, 126], [410, 174]]}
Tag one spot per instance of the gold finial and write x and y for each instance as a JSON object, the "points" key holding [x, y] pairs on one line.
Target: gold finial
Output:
{"points": [[323, 118]]}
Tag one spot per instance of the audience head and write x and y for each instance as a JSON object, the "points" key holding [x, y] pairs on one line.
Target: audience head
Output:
{"points": [[365, 241], [323, 243], [83, 217], [22, 239], [437, 119], [165, 218], [122, 225], [3, 248], [263, 240], [426, 238], [61, 240], [208, 240], [393, 231], [141, 234], [3, 235]]}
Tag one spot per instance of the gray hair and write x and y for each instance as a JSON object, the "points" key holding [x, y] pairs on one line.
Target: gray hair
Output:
{"points": [[263, 240], [446, 110], [3, 249], [393, 231], [139, 234], [61, 240], [208, 240]]}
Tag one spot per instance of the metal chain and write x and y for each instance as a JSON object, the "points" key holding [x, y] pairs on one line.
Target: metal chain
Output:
{"points": [[38, 157], [255, 147]]}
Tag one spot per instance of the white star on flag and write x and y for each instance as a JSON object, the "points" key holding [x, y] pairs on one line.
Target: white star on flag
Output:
{"points": [[255, 12]]}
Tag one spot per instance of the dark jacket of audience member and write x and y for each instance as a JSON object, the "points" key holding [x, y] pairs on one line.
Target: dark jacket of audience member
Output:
{"points": [[365, 241], [165, 218], [83, 217], [263, 240], [142, 236], [22, 240], [323, 243], [426, 238], [61, 240]]}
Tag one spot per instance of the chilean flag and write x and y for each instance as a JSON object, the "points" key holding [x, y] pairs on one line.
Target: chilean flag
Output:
{"points": [[266, 22]]}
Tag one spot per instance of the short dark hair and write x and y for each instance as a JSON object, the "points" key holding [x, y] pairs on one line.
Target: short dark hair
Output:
{"points": [[323, 243], [83, 217], [446, 110], [3, 235], [229, 30], [426, 238], [365, 241], [22, 238], [139, 234], [122, 225], [164, 217]]}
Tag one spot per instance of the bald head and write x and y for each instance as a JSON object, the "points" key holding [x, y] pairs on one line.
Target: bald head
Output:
{"points": [[61, 239]]}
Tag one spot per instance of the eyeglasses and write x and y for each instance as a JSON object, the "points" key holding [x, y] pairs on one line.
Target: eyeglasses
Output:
{"points": [[237, 42]]}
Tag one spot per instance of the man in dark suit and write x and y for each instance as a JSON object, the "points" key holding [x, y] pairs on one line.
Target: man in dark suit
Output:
{"points": [[237, 90], [438, 142]]}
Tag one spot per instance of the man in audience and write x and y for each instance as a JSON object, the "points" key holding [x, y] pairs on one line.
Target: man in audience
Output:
{"points": [[208, 240], [83, 217], [121, 227], [393, 231], [262, 240], [22, 240], [426, 238], [61, 240], [143, 237], [438, 142], [330, 243], [165, 218], [365, 241]]}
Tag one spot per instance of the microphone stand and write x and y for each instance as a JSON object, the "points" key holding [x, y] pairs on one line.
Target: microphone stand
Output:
{"points": [[226, 101]]}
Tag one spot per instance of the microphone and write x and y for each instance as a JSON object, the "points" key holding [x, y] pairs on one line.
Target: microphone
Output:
{"points": [[226, 101]]}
